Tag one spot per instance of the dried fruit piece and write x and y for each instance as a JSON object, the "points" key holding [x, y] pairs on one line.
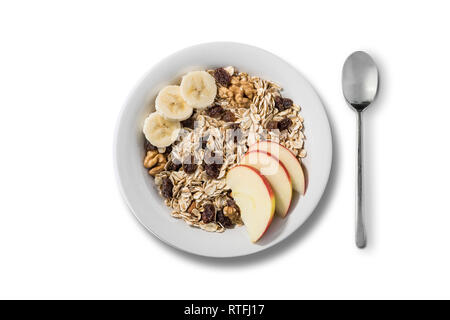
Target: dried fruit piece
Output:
{"points": [[215, 111], [173, 166], [148, 146], [223, 220], [188, 123], [283, 103], [228, 116], [218, 112], [284, 124], [272, 125], [166, 188], [287, 103], [222, 77], [213, 170], [209, 213], [234, 126], [278, 102], [189, 165], [168, 150]]}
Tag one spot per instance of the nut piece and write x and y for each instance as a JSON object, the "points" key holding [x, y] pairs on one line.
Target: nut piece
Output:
{"points": [[192, 207], [223, 220], [232, 214], [155, 162], [231, 210], [240, 93]]}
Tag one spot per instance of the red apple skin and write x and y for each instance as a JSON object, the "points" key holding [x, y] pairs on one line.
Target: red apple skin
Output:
{"points": [[255, 145], [284, 169], [271, 195]]}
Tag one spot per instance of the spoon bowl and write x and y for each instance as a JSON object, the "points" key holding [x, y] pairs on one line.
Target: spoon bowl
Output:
{"points": [[360, 80]]}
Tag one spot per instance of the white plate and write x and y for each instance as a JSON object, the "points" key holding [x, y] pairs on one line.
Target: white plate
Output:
{"points": [[138, 188]]}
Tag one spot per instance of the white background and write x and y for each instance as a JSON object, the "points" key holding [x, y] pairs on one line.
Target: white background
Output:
{"points": [[66, 69]]}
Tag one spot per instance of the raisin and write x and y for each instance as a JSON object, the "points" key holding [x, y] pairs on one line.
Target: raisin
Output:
{"points": [[148, 146], [272, 124], [188, 123], [234, 126], [287, 103], [284, 124], [166, 188], [218, 112], [215, 111], [213, 170], [228, 116], [283, 103], [223, 220], [168, 150], [278, 102], [222, 77], [174, 166], [209, 213], [189, 165]]}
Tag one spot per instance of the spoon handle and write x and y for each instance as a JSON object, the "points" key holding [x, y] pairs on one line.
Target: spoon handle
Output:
{"points": [[360, 228]]}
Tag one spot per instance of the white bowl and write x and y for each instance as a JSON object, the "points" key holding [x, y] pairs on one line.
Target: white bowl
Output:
{"points": [[138, 188]]}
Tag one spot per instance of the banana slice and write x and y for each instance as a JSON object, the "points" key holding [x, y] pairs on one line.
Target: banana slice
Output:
{"points": [[199, 89], [171, 104], [160, 131]]}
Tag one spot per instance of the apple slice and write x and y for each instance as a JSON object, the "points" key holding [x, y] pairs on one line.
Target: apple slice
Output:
{"points": [[255, 198], [290, 161], [278, 176]]}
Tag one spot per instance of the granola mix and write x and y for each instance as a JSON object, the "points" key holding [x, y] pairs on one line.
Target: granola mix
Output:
{"points": [[190, 174]]}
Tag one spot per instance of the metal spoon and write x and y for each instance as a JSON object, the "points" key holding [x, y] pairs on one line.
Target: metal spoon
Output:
{"points": [[360, 86]]}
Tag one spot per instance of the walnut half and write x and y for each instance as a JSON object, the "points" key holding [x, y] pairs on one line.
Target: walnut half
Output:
{"points": [[240, 93], [155, 162], [233, 214]]}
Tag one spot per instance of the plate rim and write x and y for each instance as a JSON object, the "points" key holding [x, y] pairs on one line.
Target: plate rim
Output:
{"points": [[134, 90]]}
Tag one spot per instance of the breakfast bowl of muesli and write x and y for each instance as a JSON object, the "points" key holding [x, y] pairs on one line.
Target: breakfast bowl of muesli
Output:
{"points": [[223, 150]]}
